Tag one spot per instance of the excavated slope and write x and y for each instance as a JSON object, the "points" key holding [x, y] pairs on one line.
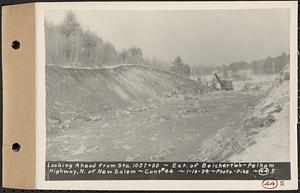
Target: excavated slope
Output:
{"points": [[75, 90]]}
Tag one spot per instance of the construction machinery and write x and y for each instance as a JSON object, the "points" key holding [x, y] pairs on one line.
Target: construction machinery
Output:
{"points": [[225, 84]]}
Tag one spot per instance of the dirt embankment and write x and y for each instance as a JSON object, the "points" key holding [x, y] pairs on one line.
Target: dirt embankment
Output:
{"points": [[139, 113], [263, 131], [272, 131], [83, 94]]}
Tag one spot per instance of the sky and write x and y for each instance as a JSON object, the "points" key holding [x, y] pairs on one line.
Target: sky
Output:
{"points": [[200, 37]]}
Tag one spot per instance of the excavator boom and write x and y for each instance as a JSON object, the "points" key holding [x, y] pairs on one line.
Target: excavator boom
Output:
{"points": [[225, 84]]}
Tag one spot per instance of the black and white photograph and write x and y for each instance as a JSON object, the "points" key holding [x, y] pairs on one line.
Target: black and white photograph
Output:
{"points": [[153, 86], [167, 85]]}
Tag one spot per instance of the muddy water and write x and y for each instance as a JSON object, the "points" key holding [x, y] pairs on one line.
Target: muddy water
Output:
{"points": [[170, 131]]}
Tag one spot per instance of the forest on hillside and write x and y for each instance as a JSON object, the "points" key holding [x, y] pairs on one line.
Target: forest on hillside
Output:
{"points": [[269, 65], [69, 44]]}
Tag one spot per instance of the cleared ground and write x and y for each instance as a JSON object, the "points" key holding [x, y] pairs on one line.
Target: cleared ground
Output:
{"points": [[138, 113], [170, 130]]}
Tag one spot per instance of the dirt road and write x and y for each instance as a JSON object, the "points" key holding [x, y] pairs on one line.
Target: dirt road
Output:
{"points": [[167, 131]]}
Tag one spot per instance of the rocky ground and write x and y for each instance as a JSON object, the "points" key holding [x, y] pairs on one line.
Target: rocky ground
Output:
{"points": [[175, 124], [168, 131], [274, 136]]}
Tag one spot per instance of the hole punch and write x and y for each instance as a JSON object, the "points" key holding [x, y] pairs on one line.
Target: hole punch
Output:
{"points": [[15, 44], [16, 147]]}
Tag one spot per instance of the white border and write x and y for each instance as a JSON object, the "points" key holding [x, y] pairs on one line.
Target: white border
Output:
{"points": [[157, 184]]}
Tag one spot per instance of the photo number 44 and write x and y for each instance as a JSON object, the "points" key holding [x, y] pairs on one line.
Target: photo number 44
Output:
{"points": [[272, 183]]}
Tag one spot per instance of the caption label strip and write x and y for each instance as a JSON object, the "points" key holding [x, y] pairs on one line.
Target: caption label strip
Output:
{"points": [[58, 170]]}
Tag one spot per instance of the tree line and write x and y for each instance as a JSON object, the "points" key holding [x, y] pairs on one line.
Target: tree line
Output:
{"points": [[269, 65], [69, 44], [180, 68]]}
